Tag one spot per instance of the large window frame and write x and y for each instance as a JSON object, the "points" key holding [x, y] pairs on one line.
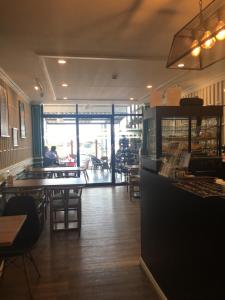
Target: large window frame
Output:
{"points": [[77, 116]]}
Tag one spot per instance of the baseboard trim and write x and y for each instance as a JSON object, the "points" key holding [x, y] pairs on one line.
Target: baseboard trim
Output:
{"points": [[152, 279]]}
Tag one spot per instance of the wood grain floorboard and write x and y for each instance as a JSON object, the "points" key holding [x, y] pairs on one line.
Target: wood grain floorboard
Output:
{"points": [[102, 264]]}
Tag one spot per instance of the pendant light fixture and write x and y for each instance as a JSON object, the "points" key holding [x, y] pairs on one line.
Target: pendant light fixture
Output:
{"points": [[201, 42], [208, 41], [220, 28], [196, 48]]}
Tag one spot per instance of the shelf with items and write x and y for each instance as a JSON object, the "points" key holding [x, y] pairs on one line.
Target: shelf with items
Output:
{"points": [[195, 129]]}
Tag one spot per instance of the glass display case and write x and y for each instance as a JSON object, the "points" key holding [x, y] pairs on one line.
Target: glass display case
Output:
{"points": [[169, 130]]}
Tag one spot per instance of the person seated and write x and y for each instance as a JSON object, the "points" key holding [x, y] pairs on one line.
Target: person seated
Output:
{"points": [[46, 151], [53, 155], [47, 159], [50, 157]]}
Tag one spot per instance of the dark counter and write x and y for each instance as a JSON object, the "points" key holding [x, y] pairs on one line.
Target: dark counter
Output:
{"points": [[182, 239]]}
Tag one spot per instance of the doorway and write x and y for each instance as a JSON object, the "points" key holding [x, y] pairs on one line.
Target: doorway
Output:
{"points": [[95, 148]]}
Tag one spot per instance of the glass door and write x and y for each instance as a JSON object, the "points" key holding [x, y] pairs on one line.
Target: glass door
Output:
{"points": [[95, 148]]}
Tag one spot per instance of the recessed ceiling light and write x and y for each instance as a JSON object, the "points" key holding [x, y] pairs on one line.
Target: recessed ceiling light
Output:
{"points": [[131, 98], [180, 65], [149, 86], [61, 61], [64, 84], [65, 98], [36, 88]]}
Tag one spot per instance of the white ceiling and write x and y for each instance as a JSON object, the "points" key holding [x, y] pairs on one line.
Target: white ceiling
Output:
{"points": [[98, 38], [93, 78]]}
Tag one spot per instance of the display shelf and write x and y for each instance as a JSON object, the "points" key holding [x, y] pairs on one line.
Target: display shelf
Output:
{"points": [[195, 128]]}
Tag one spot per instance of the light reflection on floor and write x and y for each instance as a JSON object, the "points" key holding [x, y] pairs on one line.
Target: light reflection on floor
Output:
{"points": [[103, 176]]}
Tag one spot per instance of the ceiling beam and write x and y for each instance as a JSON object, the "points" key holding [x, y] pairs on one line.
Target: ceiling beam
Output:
{"points": [[104, 57]]}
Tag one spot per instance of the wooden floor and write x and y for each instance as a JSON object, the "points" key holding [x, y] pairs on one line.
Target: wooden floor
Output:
{"points": [[103, 264]]}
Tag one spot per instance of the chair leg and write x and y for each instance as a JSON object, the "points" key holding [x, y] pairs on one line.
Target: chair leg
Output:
{"points": [[66, 212], [51, 218], [131, 192], [45, 209], [27, 276], [85, 176], [2, 266], [79, 219], [127, 182], [34, 264]]}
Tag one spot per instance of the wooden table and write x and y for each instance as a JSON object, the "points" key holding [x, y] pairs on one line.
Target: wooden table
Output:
{"points": [[9, 228], [50, 183], [60, 170]]}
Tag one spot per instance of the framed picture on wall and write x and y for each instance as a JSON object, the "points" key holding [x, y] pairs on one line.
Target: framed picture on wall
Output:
{"points": [[22, 120], [4, 113], [15, 136]]}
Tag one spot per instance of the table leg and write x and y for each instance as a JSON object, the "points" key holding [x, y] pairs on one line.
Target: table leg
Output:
{"points": [[85, 175], [51, 217], [66, 216], [1, 268]]}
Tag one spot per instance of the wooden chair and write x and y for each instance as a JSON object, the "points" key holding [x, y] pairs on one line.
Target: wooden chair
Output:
{"points": [[61, 204], [85, 167], [134, 186], [40, 198], [96, 162], [129, 173]]}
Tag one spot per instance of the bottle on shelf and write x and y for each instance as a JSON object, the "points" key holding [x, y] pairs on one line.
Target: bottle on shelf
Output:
{"points": [[9, 178]]}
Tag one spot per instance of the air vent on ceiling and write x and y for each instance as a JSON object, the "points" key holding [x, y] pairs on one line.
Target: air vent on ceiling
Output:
{"points": [[115, 76]]}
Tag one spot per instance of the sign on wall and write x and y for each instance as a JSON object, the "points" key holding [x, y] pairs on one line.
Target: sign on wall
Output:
{"points": [[15, 136], [22, 120], [4, 114]]}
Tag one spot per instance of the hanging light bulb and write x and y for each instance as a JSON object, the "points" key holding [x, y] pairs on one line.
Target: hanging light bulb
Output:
{"points": [[209, 41], [196, 48], [221, 31]]}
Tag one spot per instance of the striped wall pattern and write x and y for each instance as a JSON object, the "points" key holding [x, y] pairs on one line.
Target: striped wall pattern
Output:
{"points": [[10, 155], [212, 94]]}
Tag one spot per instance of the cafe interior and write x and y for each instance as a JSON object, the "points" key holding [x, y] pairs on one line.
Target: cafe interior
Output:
{"points": [[112, 150]]}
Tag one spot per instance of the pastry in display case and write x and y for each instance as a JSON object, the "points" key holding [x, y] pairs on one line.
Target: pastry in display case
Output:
{"points": [[204, 188], [195, 129]]}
